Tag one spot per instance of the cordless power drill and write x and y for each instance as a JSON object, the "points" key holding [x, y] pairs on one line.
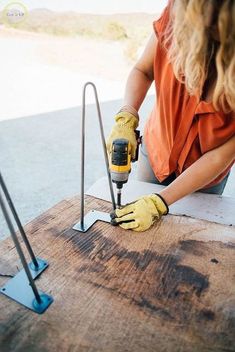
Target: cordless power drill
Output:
{"points": [[120, 162]]}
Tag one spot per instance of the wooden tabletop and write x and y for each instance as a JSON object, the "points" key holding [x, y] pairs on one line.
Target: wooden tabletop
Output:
{"points": [[171, 288]]}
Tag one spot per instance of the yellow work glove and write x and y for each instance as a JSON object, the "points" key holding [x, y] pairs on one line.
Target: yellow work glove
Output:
{"points": [[141, 214], [125, 126]]}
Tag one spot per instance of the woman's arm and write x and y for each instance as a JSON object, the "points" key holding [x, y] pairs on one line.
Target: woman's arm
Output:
{"points": [[201, 173], [137, 85], [142, 213], [141, 76]]}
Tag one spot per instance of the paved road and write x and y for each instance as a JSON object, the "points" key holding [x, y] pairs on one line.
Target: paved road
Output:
{"points": [[40, 157]]}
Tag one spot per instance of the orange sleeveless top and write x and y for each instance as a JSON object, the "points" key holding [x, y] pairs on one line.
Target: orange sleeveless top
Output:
{"points": [[180, 129]]}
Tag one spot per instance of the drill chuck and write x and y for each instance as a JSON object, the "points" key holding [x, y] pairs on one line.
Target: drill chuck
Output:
{"points": [[119, 178]]}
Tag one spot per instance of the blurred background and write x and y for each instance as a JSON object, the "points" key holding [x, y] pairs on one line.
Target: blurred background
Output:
{"points": [[49, 50]]}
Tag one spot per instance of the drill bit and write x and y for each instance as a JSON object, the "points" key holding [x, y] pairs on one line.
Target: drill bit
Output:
{"points": [[119, 193]]}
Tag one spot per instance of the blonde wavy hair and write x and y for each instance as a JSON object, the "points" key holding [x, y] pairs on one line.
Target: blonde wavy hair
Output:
{"points": [[193, 48]]}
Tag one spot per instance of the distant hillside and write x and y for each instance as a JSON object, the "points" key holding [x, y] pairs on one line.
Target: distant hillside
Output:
{"points": [[110, 27], [131, 29]]}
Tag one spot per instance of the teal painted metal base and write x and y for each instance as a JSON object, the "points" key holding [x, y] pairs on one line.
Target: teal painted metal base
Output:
{"points": [[19, 289]]}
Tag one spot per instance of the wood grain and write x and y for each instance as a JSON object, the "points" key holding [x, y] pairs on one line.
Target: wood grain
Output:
{"points": [[171, 288]]}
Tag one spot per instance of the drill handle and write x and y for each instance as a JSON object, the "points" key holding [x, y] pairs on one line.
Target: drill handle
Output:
{"points": [[138, 139]]}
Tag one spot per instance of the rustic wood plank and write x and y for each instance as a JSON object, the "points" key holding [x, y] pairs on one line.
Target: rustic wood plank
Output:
{"points": [[171, 288]]}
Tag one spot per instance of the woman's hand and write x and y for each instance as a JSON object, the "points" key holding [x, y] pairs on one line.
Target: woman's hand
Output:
{"points": [[140, 215], [125, 126]]}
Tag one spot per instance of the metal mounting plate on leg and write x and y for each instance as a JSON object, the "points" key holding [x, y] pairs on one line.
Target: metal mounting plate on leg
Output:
{"points": [[90, 218], [18, 288], [36, 271]]}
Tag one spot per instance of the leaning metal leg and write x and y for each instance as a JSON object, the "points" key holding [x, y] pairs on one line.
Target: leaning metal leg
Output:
{"points": [[18, 222], [22, 287]]}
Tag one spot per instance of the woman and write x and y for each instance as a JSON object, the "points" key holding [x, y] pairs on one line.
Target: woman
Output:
{"points": [[189, 138]]}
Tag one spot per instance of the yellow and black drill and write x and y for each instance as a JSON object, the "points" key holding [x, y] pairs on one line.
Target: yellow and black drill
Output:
{"points": [[120, 162]]}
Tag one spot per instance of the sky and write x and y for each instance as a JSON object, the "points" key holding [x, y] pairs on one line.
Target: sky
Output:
{"points": [[94, 6]]}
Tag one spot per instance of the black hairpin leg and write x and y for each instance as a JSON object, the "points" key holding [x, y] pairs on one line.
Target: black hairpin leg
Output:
{"points": [[21, 288], [93, 216]]}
